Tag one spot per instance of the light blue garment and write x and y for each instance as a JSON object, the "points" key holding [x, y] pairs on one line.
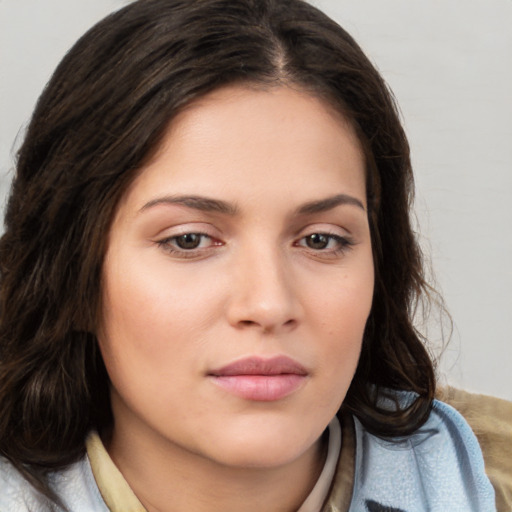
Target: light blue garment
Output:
{"points": [[437, 469], [75, 485]]}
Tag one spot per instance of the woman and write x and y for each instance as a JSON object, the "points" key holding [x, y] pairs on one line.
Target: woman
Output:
{"points": [[208, 266]]}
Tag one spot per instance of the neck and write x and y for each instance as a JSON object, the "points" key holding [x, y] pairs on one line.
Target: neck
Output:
{"points": [[167, 478]]}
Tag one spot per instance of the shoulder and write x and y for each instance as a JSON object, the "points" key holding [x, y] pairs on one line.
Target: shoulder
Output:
{"points": [[74, 484], [490, 419], [440, 467], [15, 492]]}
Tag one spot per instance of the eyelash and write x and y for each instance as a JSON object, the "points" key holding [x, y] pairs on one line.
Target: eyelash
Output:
{"points": [[344, 244], [166, 245]]}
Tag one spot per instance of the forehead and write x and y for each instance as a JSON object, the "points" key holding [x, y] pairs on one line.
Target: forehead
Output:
{"points": [[253, 105], [240, 139]]}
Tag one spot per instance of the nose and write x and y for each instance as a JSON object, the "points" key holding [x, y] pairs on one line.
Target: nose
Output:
{"points": [[263, 294]]}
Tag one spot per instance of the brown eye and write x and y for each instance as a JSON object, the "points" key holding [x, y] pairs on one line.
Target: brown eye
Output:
{"points": [[189, 245], [317, 241], [188, 241]]}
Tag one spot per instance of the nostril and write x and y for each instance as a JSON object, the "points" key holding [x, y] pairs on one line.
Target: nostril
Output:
{"points": [[289, 324], [246, 322]]}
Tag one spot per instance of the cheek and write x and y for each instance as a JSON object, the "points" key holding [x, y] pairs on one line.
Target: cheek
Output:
{"points": [[147, 298], [343, 304], [155, 321], [342, 312]]}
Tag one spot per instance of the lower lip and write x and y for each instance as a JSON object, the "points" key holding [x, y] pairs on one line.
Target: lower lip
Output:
{"points": [[261, 388]]}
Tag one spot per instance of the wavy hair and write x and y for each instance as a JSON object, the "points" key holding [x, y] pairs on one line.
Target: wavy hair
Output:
{"points": [[99, 120]]}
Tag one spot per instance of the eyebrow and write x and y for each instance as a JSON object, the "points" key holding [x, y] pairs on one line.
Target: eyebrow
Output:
{"points": [[201, 203], [207, 204], [329, 203]]}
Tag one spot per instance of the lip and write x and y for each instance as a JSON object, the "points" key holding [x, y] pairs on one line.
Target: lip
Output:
{"points": [[260, 379]]}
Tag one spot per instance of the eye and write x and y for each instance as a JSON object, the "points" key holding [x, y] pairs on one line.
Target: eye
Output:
{"points": [[325, 244], [323, 241], [188, 245], [189, 240], [319, 241]]}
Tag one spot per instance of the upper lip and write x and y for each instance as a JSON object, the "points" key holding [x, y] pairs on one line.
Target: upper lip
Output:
{"points": [[261, 366]]}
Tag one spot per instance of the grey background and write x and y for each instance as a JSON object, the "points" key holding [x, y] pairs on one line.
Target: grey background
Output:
{"points": [[449, 64]]}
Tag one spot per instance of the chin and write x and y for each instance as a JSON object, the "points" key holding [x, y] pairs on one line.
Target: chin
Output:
{"points": [[265, 447]]}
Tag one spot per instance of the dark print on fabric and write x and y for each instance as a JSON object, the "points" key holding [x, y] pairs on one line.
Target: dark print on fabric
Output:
{"points": [[373, 506]]}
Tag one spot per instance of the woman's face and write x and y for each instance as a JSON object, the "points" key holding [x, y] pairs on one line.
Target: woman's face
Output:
{"points": [[238, 280]]}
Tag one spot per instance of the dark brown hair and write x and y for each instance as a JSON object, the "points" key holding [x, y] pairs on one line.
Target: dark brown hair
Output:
{"points": [[100, 118]]}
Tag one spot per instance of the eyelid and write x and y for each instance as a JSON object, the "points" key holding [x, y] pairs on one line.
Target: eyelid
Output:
{"points": [[343, 238], [166, 238], [325, 228], [182, 228]]}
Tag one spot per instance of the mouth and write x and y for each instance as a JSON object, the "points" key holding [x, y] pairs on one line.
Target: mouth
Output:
{"points": [[258, 379]]}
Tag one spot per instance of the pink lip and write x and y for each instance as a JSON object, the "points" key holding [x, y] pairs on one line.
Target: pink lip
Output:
{"points": [[258, 379]]}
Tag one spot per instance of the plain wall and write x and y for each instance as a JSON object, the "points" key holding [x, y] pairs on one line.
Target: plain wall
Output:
{"points": [[449, 64]]}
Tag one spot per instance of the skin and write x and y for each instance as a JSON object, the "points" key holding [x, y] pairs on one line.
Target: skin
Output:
{"points": [[260, 283]]}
